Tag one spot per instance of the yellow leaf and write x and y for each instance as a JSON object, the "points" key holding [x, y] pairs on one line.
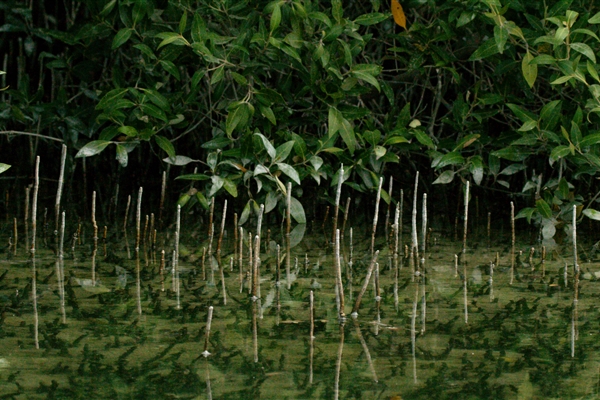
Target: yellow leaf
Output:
{"points": [[398, 14]]}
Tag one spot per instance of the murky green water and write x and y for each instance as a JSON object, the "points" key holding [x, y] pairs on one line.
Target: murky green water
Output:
{"points": [[517, 342]]}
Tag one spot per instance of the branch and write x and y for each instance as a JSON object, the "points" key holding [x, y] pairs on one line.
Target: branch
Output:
{"points": [[30, 134]]}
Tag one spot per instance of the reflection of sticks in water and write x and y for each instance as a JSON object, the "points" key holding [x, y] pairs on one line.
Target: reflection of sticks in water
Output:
{"points": [[236, 249], [27, 196], [255, 330], [338, 277], [206, 353], [287, 234], [512, 249], [424, 226], [208, 388], [61, 269], [414, 240], [365, 284], [95, 238], [413, 332], [338, 364], [138, 283], [491, 281], [32, 250], [312, 336], [396, 229], [15, 236], [464, 251], [365, 350], [387, 213]]}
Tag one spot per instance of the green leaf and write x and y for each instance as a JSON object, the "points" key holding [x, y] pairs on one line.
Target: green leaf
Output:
{"points": [[217, 184], [424, 139], [108, 8], [562, 79], [529, 69], [217, 143], [543, 208], [335, 121], [347, 134], [466, 141], [592, 214], [267, 145], [170, 68], [559, 152], [193, 177], [297, 234], [592, 71], [230, 187], [179, 160], [522, 114], [128, 131], [513, 169], [500, 37], [237, 118], [487, 49], [465, 18], [267, 112], [153, 111], [595, 19], [92, 148], [166, 145], [157, 99], [550, 115], [585, 50], [121, 38], [476, 169], [171, 38], [370, 19], [284, 151], [122, 157], [275, 17], [3, 167], [451, 158], [183, 23], [543, 59], [527, 126], [590, 140], [445, 177], [110, 97], [526, 213], [297, 211], [289, 171]]}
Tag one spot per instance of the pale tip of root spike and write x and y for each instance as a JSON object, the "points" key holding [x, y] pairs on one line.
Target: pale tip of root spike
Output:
{"points": [[354, 315], [378, 298], [278, 283], [254, 298], [206, 353]]}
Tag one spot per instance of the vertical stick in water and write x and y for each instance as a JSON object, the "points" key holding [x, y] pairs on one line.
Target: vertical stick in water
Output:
{"points": [[338, 193], [221, 232], [255, 262], [206, 353], [387, 213], [15, 236], [575, 260], [175, 280], [255, 330], [287, 234], [376, 216], [512, 249], [338, 276], [61, 176], [464, 252], [138, 218], [574, 329], [95, 238], [424, 226], [241, 258], [32, 251], [489, 229], [345, 216], [162, 270], [125, 226], [163, 189], [415, 241], [235, 239], [27, 198], [176, 285]]}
